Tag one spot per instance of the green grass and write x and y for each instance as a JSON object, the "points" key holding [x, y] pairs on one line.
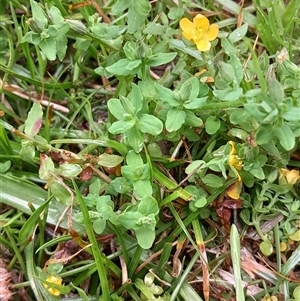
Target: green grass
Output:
{"points": [[138, 163]]}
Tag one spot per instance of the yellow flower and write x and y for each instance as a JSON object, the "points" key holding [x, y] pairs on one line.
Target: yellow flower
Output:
{"points": [[54, 280], [199, 31], [289, 176], [235, 162]]}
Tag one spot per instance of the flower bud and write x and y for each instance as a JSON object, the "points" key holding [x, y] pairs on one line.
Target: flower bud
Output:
{"points": [[77, 26], [35, 25]]}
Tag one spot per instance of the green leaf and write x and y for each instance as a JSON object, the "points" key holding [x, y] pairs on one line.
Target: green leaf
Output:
{"points": [[137, 14], [133, 159], [120, 185], [226, 72], [49, 49], [292, 115], [264, 134], [201, 202], [213, 181], [237, 68], [32, 37], [129, 219], [195, 165], [275, 90], [177, 44], [70, 170], [124, 67], [5, 166], [121, 126], [108, 160], [238, 33], [52, 31], [145, 236], [136, 98], [175, 13], [135, 139], [228, 94], [212, 125], [116, 108], [61, 46], [166, 95], [285, 136], [153, 28], [55, 15], [175, 119], [160, 59], [34, 120], [46, 168], [120, 6], [61, 193], [142, 187], [195, 103], [192, 120], [38, 13], [150, 124], [148, 205], [99, 225], [266, 247]]}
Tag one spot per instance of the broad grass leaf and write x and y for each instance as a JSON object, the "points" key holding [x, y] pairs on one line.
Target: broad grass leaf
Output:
{"points": [[28, 227]]}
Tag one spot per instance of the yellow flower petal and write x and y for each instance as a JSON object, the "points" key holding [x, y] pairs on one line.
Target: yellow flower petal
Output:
{"points": [[290, 176], [187, 35], [234, 190], [234, 160], [203, 45], [54, 280], [201, 22], [212, 33], [188, 28]]}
